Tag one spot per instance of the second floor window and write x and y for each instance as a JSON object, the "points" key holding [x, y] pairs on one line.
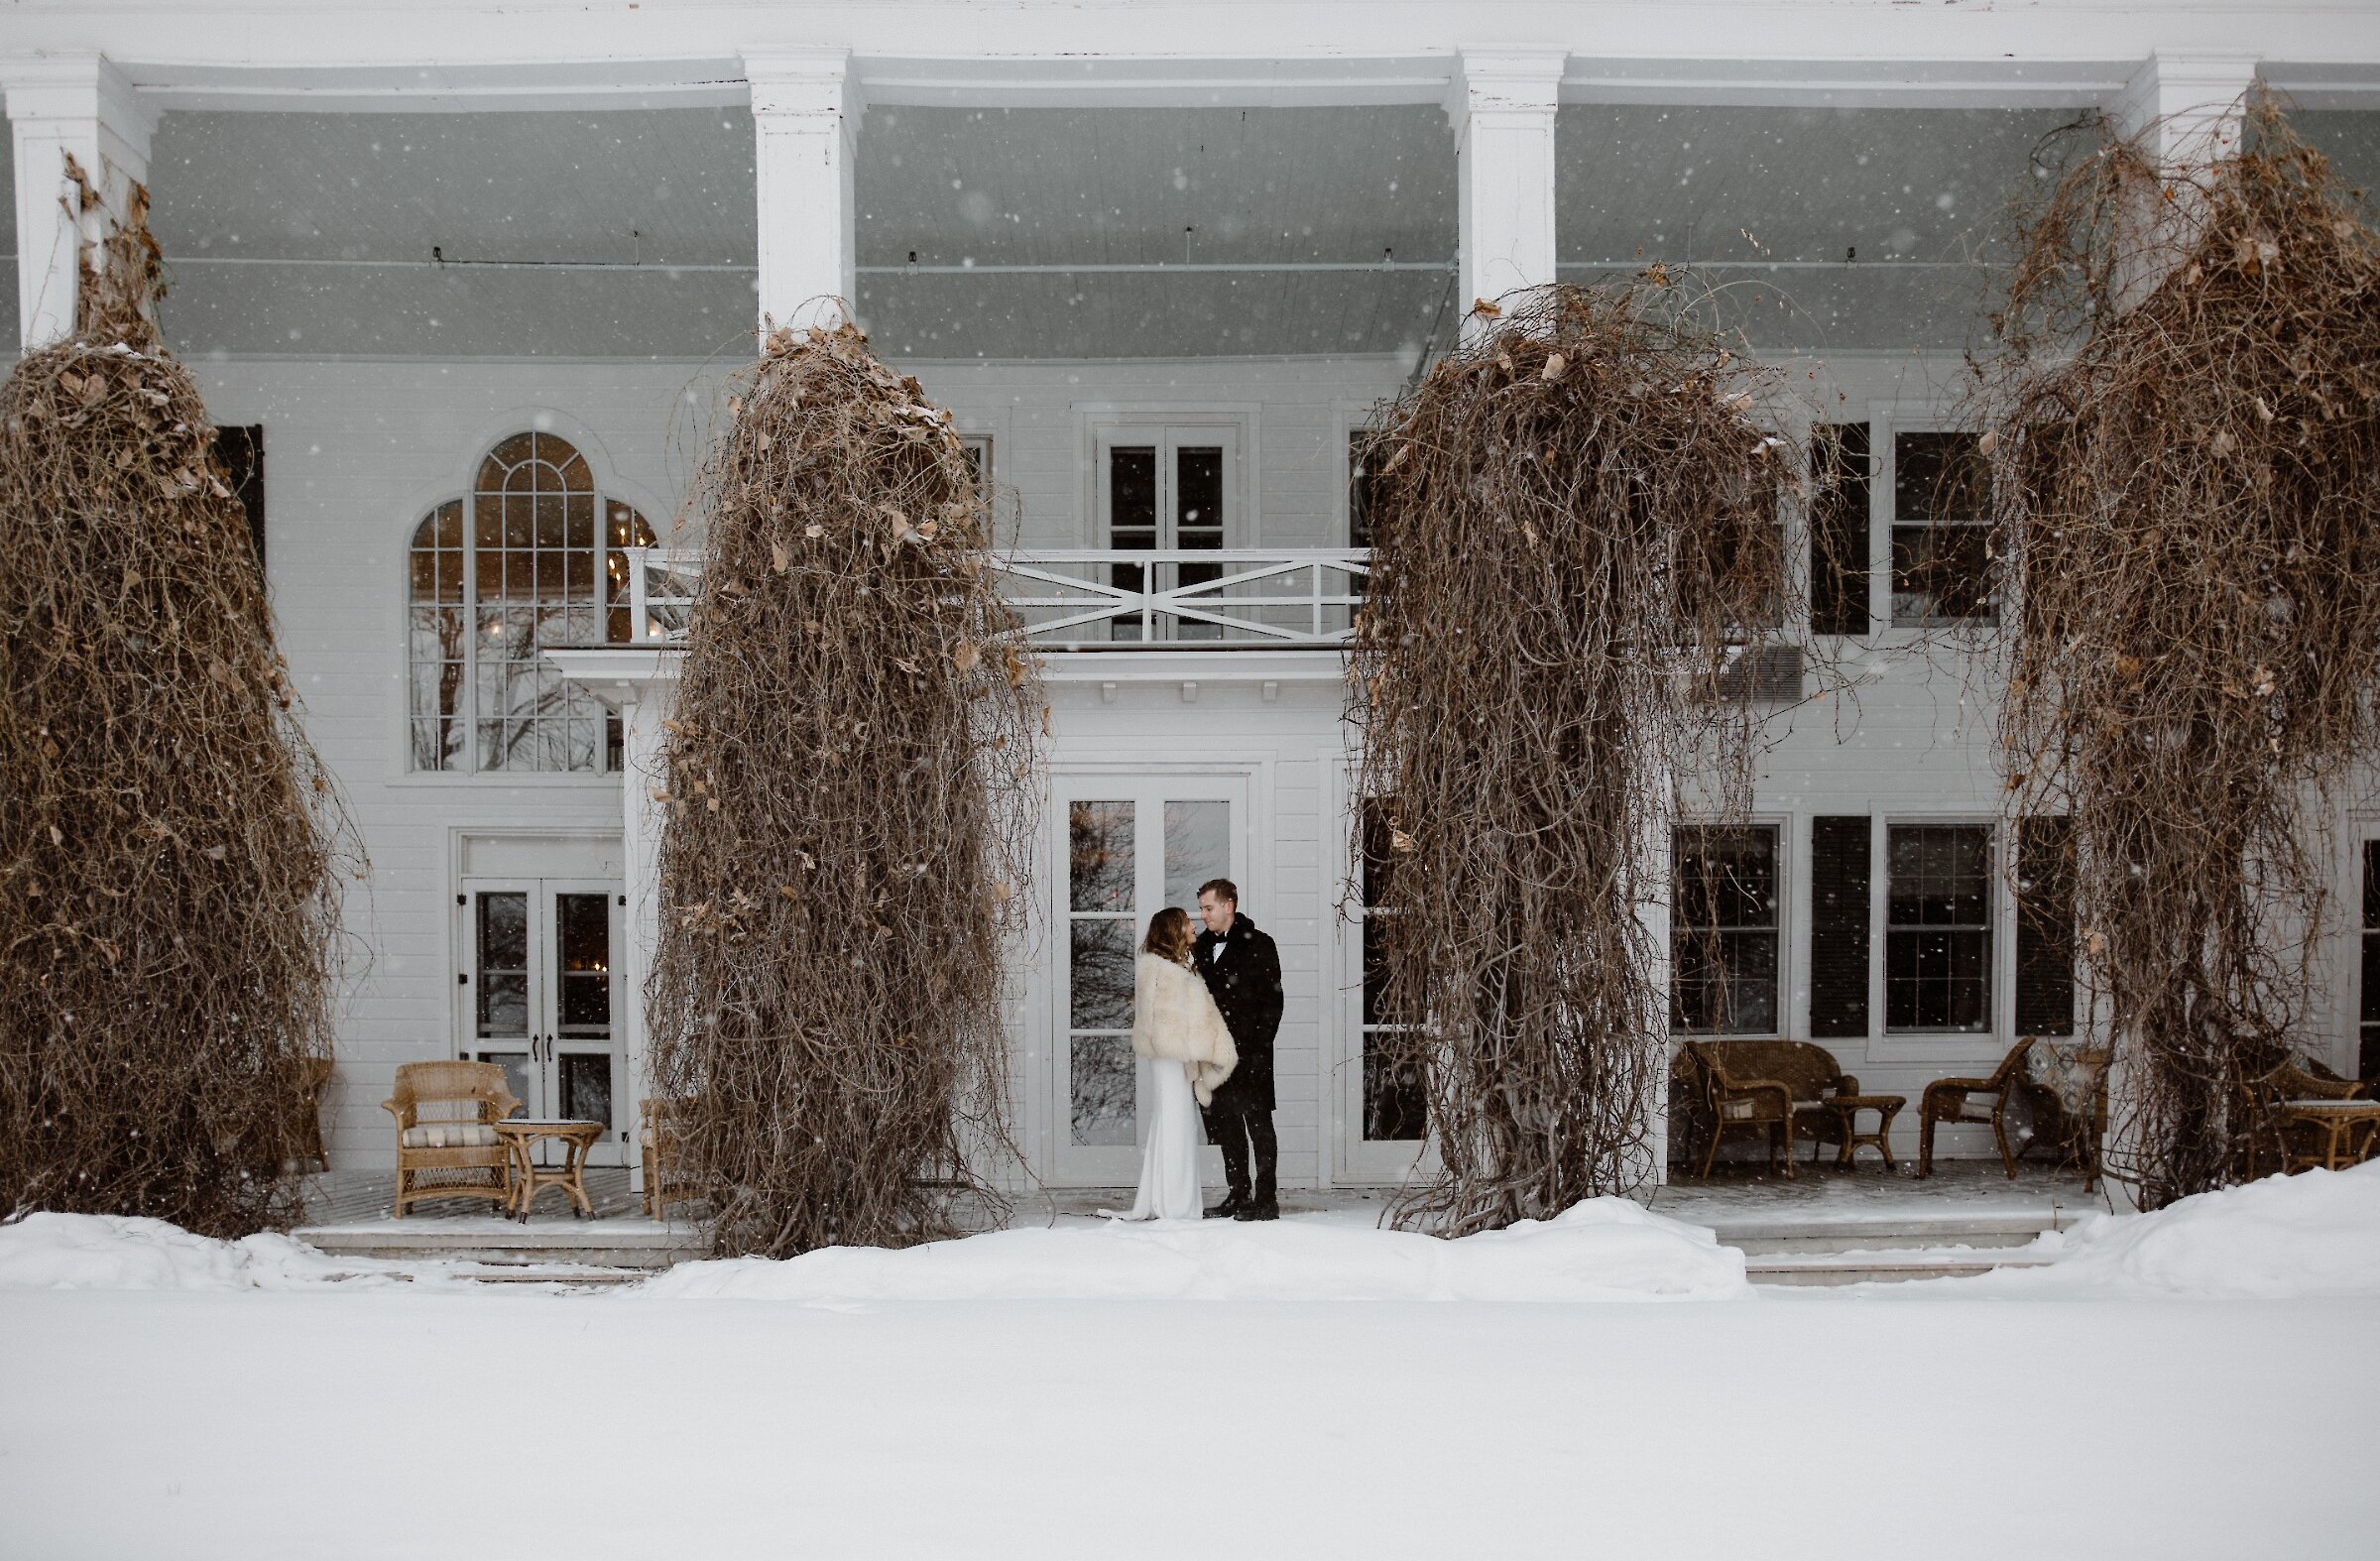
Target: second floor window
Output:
{"points": [[1942, 534], [530, 559]]}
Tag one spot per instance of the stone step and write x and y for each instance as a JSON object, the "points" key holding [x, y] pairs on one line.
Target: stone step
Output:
{"points": [[1886, 1230], [1885, 1266], [606, 1246]]}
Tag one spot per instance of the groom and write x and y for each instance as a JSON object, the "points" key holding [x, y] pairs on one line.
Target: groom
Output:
{"points": [[1243, 972]]}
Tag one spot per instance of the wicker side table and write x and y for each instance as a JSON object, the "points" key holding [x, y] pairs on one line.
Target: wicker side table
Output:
{"points": [[521, 1133], [1846, 1110], [2348, 1127]]}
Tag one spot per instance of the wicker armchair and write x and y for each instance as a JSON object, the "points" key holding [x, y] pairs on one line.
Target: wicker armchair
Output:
{"points": [[2317, 1137], [660, 1134], [446, 1141], [1771, 1085], [1957, 1100]]}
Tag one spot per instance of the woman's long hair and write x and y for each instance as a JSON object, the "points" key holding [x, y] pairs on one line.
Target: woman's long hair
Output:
{"points": [[1169, 935]]}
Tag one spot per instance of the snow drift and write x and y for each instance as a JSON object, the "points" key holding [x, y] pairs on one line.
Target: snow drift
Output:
{"points": [[2315, 1233], [109, 1252], [1603, 1250]]}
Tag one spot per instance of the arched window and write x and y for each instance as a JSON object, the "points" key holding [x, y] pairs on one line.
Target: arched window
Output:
{"points": [[526, 568]]}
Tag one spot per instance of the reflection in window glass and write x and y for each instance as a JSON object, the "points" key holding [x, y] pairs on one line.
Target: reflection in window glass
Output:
{"points": [[1103, 914], [491, 586], [1723, 935], [1938, 928]]}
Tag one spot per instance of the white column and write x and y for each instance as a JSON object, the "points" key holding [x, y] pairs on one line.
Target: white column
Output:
{"points": [[2187, 109], [2192, 103], [643, 706], [805, 115], [1503, 109], [61, 106]]}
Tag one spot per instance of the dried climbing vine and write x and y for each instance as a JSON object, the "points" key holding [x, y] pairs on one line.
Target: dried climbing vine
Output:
{"points": [[1577, 533], [171, 852], [850, 811], [2184, 434]]}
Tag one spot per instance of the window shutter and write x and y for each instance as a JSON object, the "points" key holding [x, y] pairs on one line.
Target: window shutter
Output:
{"points": [[1839, 461], [1839, 911], [2044, 927]]}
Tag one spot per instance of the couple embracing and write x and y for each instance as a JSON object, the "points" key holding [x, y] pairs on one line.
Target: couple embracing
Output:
{"points": [[1204, 1014]]}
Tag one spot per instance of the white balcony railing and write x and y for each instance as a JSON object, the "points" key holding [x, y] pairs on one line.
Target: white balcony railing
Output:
{"points": [[1097, 598]]}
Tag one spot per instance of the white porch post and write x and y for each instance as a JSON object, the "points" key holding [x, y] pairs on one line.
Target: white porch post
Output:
{"points": [[58, 106], [643, 705], [805, 114], [2190, 107], [1503, 109]]}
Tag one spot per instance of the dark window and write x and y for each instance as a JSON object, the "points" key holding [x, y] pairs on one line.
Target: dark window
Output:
{"points": [[240, 451], [1361, 447], [2368, 1062], [2044, 927], [1840, 463], [1938, 928], [1942, 536], [1840, 852], [1722, 932], [1395, 1101]]}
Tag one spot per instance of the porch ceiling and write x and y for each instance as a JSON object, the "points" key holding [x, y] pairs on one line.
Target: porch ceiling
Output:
{"points": [[630, 233]]}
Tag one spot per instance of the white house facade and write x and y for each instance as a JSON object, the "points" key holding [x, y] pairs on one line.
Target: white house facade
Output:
{"points": [[467, 277]]}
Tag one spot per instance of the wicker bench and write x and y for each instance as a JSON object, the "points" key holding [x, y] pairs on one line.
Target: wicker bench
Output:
{"points": [[1780, 1087]]}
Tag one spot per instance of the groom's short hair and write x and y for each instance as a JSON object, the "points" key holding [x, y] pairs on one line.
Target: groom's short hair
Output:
{"points": [[1221, 888]]}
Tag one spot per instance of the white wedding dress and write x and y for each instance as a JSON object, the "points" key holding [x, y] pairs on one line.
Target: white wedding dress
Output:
{"points": [[1169, 1188]]}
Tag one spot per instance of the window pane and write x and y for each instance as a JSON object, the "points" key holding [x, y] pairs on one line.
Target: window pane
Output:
{"points": [[1100, 1087], [1132, 496], [586, 1080], [1198, 496], [1723, 930], [1396, 1107], [1198, 847], [1099, 974], [502, 959], [1099, 873], [584, 961], [1937, 935]]}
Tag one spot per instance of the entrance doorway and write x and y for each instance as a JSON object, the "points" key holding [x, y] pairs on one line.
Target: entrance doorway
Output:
{"points": [[1134, 843], [541, 993]]}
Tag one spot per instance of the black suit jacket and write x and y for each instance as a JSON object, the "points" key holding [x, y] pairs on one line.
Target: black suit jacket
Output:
{"points": [[1246, 985]]}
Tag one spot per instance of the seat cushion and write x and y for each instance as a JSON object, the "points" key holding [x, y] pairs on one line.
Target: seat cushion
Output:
{"points": [[448, 1135]]}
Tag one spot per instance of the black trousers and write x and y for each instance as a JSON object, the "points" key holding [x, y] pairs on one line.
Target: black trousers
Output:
{"points": [[1236, 1130]]}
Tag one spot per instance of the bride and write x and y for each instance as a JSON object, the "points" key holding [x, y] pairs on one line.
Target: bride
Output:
{"points": [[1187, 1050]]}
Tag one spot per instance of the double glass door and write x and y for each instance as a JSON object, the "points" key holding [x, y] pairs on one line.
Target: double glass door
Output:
{"points": [[1164, 491], [541, 996], [1132, 846]]}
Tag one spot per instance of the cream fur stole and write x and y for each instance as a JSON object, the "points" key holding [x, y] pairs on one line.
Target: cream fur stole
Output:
{"points": [[1174, 1019]]}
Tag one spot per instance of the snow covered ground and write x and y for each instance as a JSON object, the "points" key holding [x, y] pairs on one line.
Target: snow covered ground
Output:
{"points": [[1195, 1391]]}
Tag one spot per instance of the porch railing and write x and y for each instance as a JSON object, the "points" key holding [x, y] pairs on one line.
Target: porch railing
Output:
{"points": [[1104, 598]]}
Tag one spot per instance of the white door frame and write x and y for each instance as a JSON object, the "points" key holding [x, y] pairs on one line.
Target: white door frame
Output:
{"points": [[1147, 787], [1354, 1160]]}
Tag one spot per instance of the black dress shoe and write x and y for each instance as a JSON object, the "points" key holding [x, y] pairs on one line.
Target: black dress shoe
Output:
{"points": [[1229, 1208], [1267, 1210]]}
